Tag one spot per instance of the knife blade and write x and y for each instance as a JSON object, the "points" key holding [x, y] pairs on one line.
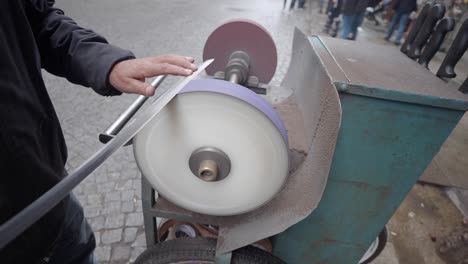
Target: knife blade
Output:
{"points": [[33, 212]]}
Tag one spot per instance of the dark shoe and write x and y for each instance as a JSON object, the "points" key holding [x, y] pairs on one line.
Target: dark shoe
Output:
{"points": [[387, 39], [397, 43]]}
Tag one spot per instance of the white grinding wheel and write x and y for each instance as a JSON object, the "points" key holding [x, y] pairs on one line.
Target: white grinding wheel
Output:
{"points": [[208, 113]]}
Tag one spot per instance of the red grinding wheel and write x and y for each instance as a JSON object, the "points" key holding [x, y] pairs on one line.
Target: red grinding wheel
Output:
{"points": [[247, 36]]}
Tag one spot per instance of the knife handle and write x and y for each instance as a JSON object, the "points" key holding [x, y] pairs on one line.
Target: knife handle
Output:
{"points": [[456, 51], [445, 25], [435, 13], [415, 29]]}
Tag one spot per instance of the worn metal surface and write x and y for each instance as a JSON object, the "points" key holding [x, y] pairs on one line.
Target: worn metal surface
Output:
{"points": [[383, 147], [383, 68], [401, 79], [327, 58]]}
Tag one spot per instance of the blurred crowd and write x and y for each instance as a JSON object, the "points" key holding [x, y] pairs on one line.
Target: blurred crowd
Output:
{"points": [[344, 17]]}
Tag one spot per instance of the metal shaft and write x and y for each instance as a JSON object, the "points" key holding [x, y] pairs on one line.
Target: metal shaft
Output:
{"points": [[208, 170], [234, 78], [120, 122]]}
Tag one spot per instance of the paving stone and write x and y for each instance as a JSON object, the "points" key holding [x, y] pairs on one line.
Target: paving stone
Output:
{"points": [[127, 195], [89, 188], [127, 207], [111, 208], [96, 223], [112, 197], [94, 199], [120, 253], [114, 220], [81, 199], [102, 253], [139, 206], [124, 185], [92, 211], [74, 162], [140, 241], [137, 187], [130, 234], [106, 187], [134, 219], [136, 252], [78, 190], [130, 173], [138, 194], [97, 237], [111, 236], [102, 178], [113, 176]]}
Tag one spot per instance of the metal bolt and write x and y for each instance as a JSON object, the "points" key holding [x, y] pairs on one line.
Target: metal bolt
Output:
{"points": [[208, 170], [343, 87], [209, 164]]}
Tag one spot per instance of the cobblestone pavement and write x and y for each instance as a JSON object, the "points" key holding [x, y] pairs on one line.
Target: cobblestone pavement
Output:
{"points": [[111, 196]]}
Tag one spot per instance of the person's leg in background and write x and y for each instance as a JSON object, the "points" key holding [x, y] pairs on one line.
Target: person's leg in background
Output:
{"points": [[402, 28], [390, 11], [286, 5], [393, 24], [329, 6], [293, 3], [321, 2], [301, 4], [329, 23], [330, 17], [347, 26], [357, 22]]}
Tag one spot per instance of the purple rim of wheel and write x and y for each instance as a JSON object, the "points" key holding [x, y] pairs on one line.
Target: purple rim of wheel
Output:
{"points": [[241, 93]]}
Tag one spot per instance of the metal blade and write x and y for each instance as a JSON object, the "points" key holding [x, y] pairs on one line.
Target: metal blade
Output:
{"points": [[24, 219]]}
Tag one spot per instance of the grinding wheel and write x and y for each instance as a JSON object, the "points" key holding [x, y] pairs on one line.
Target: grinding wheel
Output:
{"points": [[225, 123], [247, 36]]}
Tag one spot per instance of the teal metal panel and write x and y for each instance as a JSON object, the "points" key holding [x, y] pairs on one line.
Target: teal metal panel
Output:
{"points": [[400, 96], [383, 148]]}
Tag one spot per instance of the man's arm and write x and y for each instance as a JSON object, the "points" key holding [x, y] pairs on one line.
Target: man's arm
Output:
{"points": [[86, 58]]}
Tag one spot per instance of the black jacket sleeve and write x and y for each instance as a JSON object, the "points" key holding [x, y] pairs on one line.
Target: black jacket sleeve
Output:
{"points": [[70, 51]]}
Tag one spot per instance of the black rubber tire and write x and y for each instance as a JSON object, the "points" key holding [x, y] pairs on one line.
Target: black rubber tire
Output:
{"points": [[201, 250], [383, 236], [254, 255]]}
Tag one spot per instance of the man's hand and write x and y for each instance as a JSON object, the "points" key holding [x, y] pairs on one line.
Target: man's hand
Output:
{"points": [[129, 76]]}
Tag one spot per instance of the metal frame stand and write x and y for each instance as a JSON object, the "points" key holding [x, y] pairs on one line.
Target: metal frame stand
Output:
{"points": [[151, 213]]}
